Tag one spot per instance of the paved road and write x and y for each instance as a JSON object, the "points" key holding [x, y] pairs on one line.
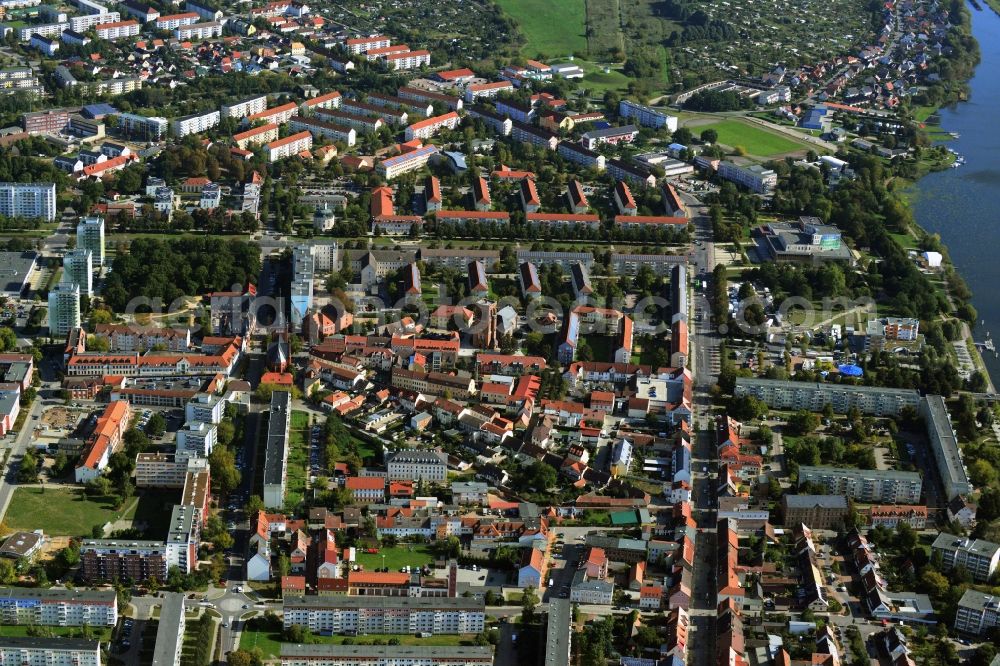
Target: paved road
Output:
{"points": [[8, 478]]}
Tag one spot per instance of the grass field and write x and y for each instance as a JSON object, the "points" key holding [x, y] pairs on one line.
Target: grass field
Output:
{"points": [[553, 29], [269, 642], [396, 558], [756, 140], [298, 458], [67, 512], [102, 634]]}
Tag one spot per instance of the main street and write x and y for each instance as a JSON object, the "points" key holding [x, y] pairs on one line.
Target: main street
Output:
{"points": [[704, 363]]}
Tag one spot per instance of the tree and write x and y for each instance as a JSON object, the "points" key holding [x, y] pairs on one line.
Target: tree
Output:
{"points": [[8, 574], [802, 422], [28, 471], [225, 475], [710, 136], [529, 600], [253, 506], [157, 425], [934, 582], [243, 657]]}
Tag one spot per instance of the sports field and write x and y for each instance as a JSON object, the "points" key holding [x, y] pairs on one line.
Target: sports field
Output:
{"points": [[553, 29], [756, 140]]}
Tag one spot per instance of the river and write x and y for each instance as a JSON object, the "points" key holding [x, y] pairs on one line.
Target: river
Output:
{"points": [[963, 205]]}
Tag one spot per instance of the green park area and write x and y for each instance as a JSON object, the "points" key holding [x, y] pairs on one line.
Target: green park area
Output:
{"points": [[268, 640], [69, 512], [755, 140], [102, 634], [396, 558], [298, 458], [553, 29]]}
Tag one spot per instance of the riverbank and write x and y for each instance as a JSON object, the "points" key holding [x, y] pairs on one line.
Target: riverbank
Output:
{"points": [[959, 205]]}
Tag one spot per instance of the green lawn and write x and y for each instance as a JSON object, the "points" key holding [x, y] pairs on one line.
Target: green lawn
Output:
{"points": [[298, 459], [102, 634], [62, 511], [269, 642], [396, 558], [553, 29], [756, 140]]}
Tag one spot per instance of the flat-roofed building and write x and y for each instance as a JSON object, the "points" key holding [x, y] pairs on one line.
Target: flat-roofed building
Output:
{"points": [[37, 651], [866, 485], [276, 453], [980, 558], [377, 614], [821, 512], [813, 396], [385, 655], [58, 607], [944, 446]]}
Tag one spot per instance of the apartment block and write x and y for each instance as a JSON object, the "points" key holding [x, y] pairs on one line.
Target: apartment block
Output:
{"points": [[754, 177], [377, 614], [276, 453], [28, 200], [64, 309], [980, 558], [977, 612], [381, 655], [417, 465], [111, 559], [873, 400], [90, 236], [195, 123], [288, 147], [871, 486], [58, 607], [31, 651], [322, 128], [243, 108]]}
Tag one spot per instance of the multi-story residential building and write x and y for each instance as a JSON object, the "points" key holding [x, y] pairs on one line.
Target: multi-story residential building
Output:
{"points": [[645, 116], [28, 200], [564, 220], [577, 154], [408, 60], [196, 440], [516, 111], [498, 123], [476, 91], [244, 107], [429, 97], [256, 136], [330, 100], [979, 558], [301, 290], [364, 44], [534, 136], [105, 440], [409, 161], [322, 128], [113, 559], [44, 122], [206, 408], [610, 135], [64, 309], [977, 612], [31, 651], [377, 614], [380, 655], [206, 30], [78, 269], [279, 115], [891, 516], [85, 22], [118, 29], [881, 486], [170, 630], [630, 222], [47, 45], [425, 109], [195, 123], [159, 470], [820, 512], [754, 177], [288, 147], [591, 591], [19, 79], [174, 21], [90, 237], [362, 123], [58, 607], [944, 446], [417, 465], [425, 129], [527, 275], [149, 128], [50, 31], [276, 453], [139, 11], [621, 170], [874, 400], [390, 114]]}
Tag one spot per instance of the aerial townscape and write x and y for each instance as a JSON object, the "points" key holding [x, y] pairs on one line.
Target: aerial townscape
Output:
{"points": [[411, 333]]}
